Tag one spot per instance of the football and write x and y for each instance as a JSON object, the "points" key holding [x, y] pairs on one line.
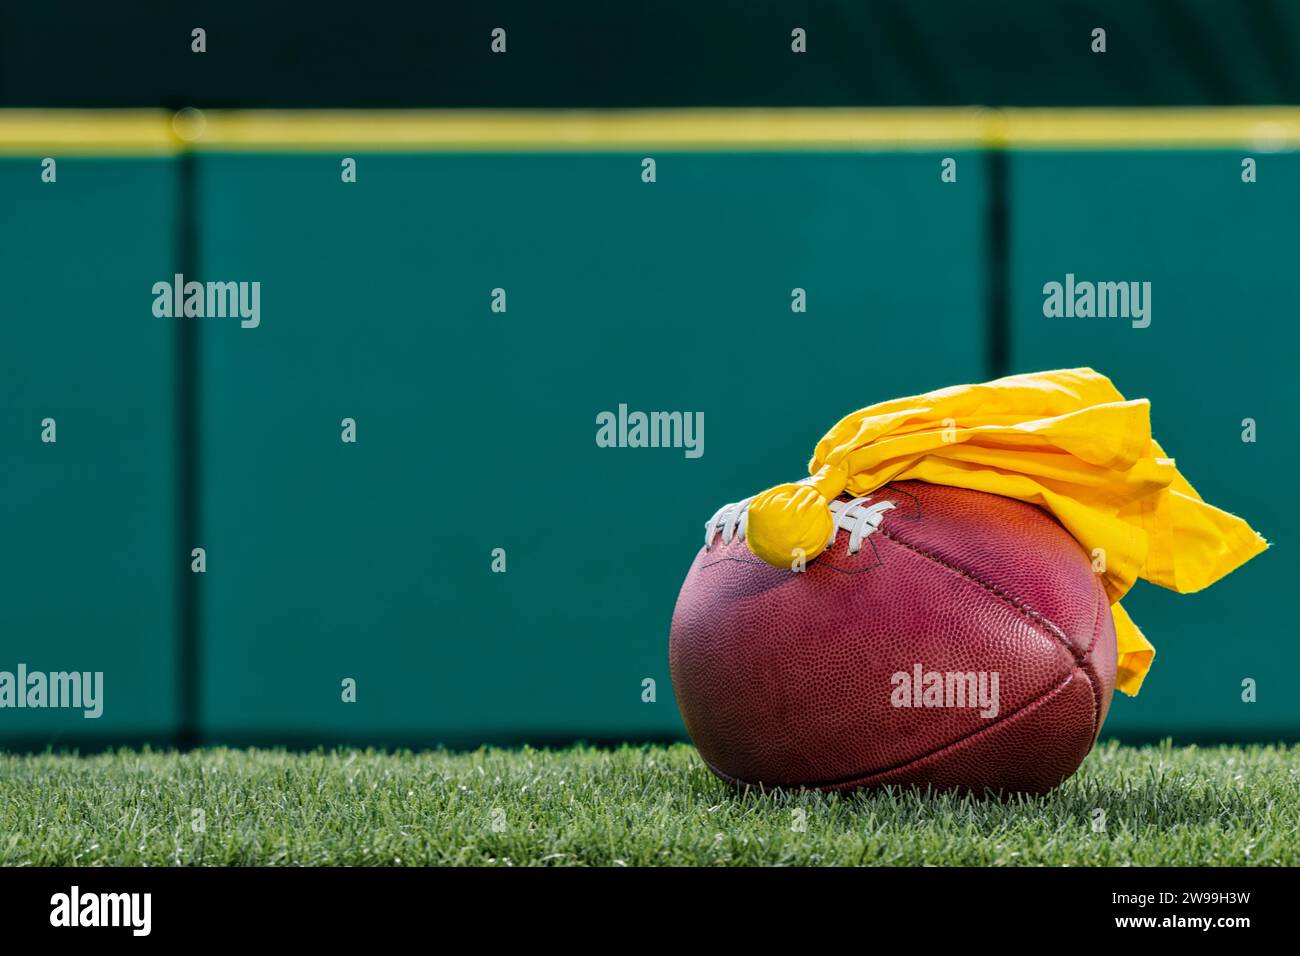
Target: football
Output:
{"points": [[947, 639]]}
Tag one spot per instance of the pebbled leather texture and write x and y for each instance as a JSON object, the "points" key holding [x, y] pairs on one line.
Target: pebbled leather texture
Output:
{"points": [[786, 680]]}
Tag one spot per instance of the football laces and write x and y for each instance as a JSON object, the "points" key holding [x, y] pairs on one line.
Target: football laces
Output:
{"points": [[855, 516]]}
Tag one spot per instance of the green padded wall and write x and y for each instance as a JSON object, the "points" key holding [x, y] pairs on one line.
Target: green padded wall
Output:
{"points": [[1222, 346], [476, 430], [89, 559]]}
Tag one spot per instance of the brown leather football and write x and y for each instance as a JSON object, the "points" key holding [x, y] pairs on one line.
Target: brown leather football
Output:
{"points": [[947, 638]]}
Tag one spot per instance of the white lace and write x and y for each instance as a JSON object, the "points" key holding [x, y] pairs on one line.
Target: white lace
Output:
{"points": [[856, 517]]}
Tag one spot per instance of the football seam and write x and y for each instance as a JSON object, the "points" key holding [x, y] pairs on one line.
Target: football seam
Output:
{"points": [[1089, 667], [1082, 659], [864, 779], [1052, 629]]}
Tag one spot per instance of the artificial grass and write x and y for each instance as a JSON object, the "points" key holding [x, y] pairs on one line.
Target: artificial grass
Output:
{"points": [[632, 806]]}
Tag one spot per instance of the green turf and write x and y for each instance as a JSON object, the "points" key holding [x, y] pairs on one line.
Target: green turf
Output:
{"points": [[633, 806]]}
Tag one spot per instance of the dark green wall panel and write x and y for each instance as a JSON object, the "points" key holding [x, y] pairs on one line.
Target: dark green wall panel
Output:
{"points": [[1222, 346], [88, 558], [477, 430]]}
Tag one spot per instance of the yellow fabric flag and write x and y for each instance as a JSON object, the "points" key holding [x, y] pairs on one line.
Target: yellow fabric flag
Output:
{"points": [[1065, 440]]}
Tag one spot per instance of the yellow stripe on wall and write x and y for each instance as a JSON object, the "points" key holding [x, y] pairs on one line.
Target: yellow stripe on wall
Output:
{"points": [[156, 132], [585, 131], [87, 133], [1266, 129]]}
